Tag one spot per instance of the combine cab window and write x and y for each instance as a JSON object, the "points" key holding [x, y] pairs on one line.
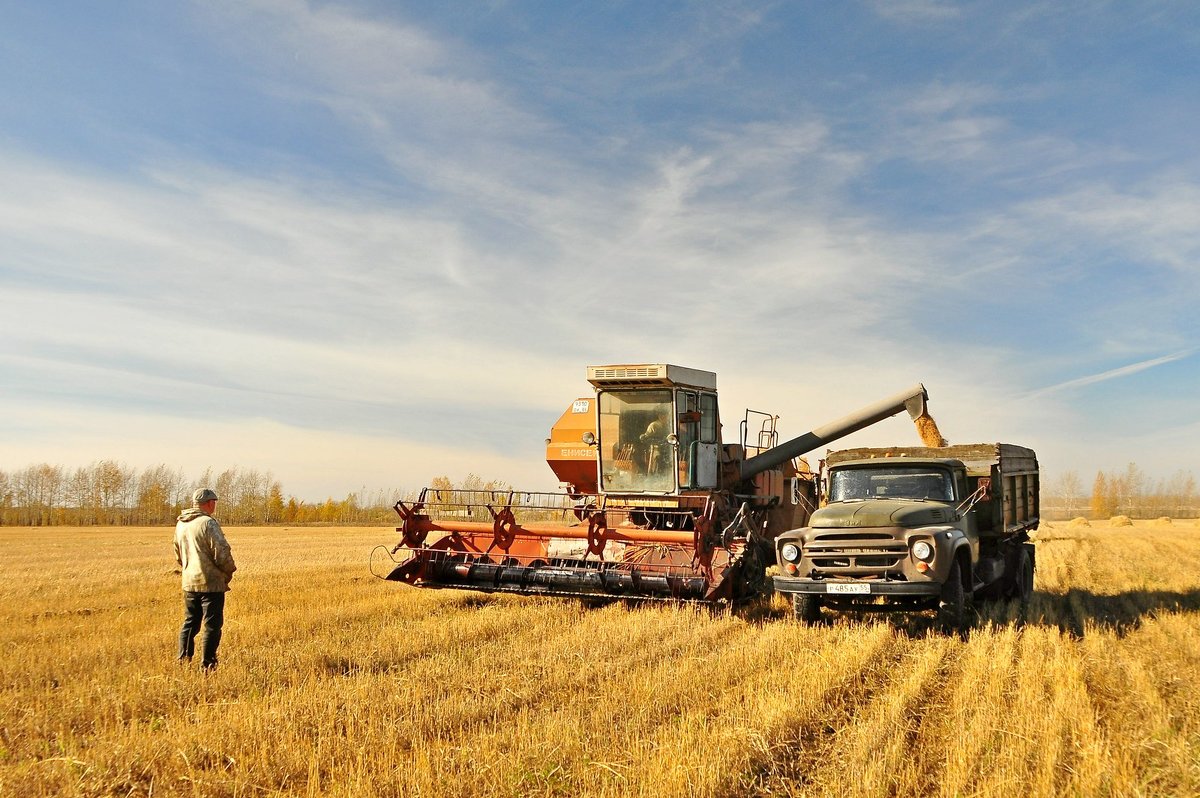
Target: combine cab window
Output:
{"points": [[635, 456], [689, 436], [891, 482], [708, 418]]}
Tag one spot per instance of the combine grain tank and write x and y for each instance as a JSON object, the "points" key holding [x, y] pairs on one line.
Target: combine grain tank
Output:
{"points": [[655, 505]]}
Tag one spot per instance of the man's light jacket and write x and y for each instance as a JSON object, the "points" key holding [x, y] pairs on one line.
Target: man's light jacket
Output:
{"points": [[203, 553]]}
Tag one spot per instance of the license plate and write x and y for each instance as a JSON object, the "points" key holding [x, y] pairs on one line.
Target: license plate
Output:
{"points": [[847, 587]]}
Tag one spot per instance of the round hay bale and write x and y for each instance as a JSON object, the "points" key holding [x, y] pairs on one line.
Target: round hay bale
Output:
{"points": [[1079, 521], [1164, 520], [1120, 520]]}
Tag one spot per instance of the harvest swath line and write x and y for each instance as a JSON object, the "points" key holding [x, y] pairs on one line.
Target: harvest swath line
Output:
{"points": [[336, 683]]}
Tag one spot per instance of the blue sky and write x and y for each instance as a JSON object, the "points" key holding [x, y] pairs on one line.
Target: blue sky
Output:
{"points": [[368, 243]]}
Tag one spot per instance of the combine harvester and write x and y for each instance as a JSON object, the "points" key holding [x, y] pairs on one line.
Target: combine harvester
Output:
{"points": [[655, 505]]}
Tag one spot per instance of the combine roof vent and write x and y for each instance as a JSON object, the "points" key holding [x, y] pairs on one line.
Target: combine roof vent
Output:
{"points": [[650, 374]]}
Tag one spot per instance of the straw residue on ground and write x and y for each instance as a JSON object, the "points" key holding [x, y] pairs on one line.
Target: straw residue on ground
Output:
{"points": [[335, 683]]}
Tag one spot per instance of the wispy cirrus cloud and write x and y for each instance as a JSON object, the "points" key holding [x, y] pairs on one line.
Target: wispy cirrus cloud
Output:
{"points": [[916, 11], [1111, 374], [1155, 220]]}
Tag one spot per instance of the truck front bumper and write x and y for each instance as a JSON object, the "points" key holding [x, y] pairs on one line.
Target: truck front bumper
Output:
{"points": [[849, 588]]}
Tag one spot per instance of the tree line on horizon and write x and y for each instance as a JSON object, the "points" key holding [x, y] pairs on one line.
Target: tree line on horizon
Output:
{"points": [[1127, 492], [109, 493]]}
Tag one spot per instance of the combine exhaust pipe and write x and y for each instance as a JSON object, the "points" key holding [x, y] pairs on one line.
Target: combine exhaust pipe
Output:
{"points": [[913, 400]]}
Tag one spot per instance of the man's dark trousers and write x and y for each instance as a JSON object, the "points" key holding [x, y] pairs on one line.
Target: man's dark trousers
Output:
{"points": [[207, 609]]}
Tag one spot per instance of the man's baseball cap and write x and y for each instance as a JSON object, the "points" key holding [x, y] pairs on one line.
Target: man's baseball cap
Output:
{"points": [[203, 495]]}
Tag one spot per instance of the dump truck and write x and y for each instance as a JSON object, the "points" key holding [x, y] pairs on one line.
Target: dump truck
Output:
{"points": [[654, 504], [914, 529]]}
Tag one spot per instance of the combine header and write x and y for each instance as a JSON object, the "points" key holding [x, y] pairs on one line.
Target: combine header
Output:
{"points": [[655, 505]]}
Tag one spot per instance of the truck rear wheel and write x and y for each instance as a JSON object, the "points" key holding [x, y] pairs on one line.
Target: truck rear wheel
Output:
{"points": [[1022, 586], [806, 607], [952, 603]]}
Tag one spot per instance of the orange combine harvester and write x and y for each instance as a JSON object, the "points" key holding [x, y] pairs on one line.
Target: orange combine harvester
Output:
{"points": [[655, 505]]}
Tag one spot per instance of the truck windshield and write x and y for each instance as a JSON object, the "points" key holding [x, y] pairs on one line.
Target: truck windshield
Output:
{"points": [[634, 453], [901, 482]]}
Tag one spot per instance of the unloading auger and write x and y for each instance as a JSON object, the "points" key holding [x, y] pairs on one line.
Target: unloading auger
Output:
{"points": [[655, 506]]}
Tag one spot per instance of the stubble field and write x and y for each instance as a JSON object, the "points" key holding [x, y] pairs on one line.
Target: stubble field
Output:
{"points": [[335, 683]]}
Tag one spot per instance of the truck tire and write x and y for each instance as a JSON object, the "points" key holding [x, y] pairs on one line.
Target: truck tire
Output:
{"points": [[996, 591], [806, 607], [1022, 587], [952, 603]]}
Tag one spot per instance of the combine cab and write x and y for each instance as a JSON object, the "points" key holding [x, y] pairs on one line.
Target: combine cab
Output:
{"points": [[655, 506]]}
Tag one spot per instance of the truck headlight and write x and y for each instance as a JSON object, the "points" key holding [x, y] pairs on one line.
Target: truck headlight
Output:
{"points": [[790, 552], [922, 550]]}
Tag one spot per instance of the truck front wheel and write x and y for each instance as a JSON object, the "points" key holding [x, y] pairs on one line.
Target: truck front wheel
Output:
{"points": [[806, 607], [952, 603]]}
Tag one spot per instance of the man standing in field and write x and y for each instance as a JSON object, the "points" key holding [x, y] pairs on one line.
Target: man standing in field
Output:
{"points": [[207, 566]]}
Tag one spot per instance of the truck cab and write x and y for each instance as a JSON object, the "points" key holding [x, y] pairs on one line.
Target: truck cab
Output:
{"points": [[874, 515]]}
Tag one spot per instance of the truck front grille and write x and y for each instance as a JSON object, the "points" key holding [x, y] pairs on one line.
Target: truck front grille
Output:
{"points": [[855, 551]]}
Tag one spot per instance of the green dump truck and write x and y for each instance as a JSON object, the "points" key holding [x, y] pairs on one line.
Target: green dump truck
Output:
{"points": [[910, 529]]}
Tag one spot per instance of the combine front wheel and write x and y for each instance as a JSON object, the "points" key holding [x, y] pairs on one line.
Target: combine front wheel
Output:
{"points": [[752, 581]]}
